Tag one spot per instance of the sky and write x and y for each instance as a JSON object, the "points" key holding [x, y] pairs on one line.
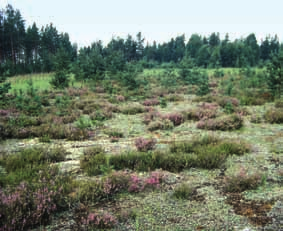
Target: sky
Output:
{"points": [[87, 21]]}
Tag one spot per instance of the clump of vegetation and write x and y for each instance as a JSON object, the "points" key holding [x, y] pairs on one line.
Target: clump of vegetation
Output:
{"points": [[224, 123], [173, 97], [184, 191], [132, 109], [164, 124], [274, 116], [200, 114], [94, 161], [151, 102], [100, 221], [144, 145], [278, 103], [175, 118], [243, 181]]}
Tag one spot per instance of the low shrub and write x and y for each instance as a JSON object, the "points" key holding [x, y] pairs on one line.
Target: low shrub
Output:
{"points": [[83, 122], [209, 157], [151, 102], [242, 181], [255, 118], [100, 221], [175, 118], [127, 214], [31, 204], [252, 100], [174, 97], [274, 116], [151, 116], [184, 191], [144, 145], [93, 163], [165, 124], [75, 134], [224, 123], [114, 133], [132, 109], [120, 98], [44, 139], [278, 103], [209, 151], [199, 114]]}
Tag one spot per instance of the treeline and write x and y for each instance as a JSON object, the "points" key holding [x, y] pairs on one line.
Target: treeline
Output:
{"points": [[28, 50]]}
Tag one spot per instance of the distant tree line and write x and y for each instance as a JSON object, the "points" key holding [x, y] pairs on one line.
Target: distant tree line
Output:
{"points": [[28, 50]]}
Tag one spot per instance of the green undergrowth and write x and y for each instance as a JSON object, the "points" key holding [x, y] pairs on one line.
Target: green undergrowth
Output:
{"points": [[26, 165], [207, 152]]}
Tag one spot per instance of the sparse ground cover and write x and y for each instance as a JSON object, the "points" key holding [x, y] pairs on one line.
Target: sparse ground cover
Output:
{"points": [[155, 158]]}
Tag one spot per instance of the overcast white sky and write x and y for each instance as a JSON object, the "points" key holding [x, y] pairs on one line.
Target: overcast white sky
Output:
{"points": [[87, 21]]}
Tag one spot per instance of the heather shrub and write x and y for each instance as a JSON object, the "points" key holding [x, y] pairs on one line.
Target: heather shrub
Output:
{"points": [[25, 208], [224, 123], [165, 124], [209, 151], [92, 151], [199, 114], [144, 145], [31, 204], [44, 139], [24, 121], [120, 98], [127, 214], [175, 118], [100, 221], [252, 100], [74, 134], [184, 191], [242, 181], [151, 102], [93, 164], [145, 161], [209, 157], [174, 97], [150, 116], [255, 118], [279, 103], [274, 116], [132, 109], [153, 181], [90, 191], [114, 133], [83, 122], [26, 164]]}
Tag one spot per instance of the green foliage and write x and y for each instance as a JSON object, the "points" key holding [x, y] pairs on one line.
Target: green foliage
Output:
{"points": [[275, 75], [83, 122], [207, 152], [60, 80], [224, 123], [274, 116], [132, 109], [218, 73], [94, 161], [24, 166], [210, 151], [4, 89], [62, 65], [184, 191], [242, 181], [164, 124], [278, 103]]}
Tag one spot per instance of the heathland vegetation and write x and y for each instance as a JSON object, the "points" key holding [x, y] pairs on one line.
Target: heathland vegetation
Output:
{"points": [[127, 136]]}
